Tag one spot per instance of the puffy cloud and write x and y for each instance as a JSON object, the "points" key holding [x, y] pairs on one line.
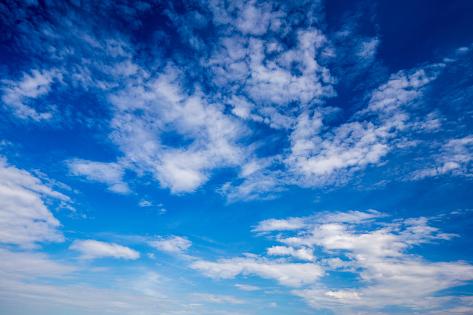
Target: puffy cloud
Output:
{"points": [[205, 138], [254, 64], [25, 220], [92, 249], [110, 174], [269, 77], [171, 244], [326, 155]]}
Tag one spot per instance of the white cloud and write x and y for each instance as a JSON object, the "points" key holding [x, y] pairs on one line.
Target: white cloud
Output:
{"points": [[455, 158], [378, 254], [25, 219], [18, 95], [147, 112], [280, 225], [322, 153], [268, 77], [325, 155], [92, 249], [171, 244], [110, 174], [352, 216], [302, 253], [247, 17], [272, 81], [288, 274], [266, 66]]}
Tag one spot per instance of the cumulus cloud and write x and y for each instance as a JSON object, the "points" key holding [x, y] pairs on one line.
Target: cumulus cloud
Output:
{"points": [[258, 64], [92, 249], [323, 156], [378, 255], [322, 153], [207, 137], [268, 74], [25, 219]]}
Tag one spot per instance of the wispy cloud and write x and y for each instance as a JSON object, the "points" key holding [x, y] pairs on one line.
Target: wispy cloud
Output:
{"points": [[455, 158], [25, 219], [171, 244], [17, 95], [92, 249], [110, 174], [288, 274]]}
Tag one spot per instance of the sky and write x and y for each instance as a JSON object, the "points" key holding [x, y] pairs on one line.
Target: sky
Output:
{"points": [[236, 157]]}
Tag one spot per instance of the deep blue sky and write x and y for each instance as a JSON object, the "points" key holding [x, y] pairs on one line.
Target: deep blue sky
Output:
{"points": [[250, 157]]}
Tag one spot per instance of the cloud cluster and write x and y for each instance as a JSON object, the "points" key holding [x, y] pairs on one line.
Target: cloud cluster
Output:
{"points": [[362, 243], [201, 137], [329, 154], [258, 70]]}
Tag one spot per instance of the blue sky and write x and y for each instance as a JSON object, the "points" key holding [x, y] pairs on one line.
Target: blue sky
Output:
{"points": [[247, 157]]}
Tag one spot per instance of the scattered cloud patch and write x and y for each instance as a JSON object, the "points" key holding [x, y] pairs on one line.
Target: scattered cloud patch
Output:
{"points": [[455, 158], [288, 274], [110, 174], [171, 244], [364, 244], [18, 96], [92, 249]]}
